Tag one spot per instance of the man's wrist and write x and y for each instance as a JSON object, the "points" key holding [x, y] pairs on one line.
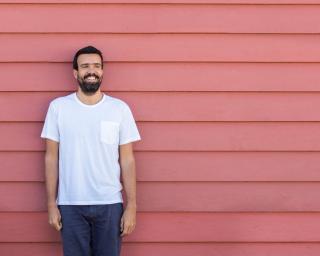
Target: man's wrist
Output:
{"points": [[131, 205], [52, 204]]}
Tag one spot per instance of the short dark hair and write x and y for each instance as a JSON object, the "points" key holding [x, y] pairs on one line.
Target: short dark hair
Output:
{"points": [[86, 50]]}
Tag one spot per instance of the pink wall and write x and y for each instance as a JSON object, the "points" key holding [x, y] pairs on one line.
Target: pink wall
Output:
{"points": [[226, 95]]}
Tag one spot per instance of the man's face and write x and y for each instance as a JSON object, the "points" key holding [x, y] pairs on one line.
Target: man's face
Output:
{"points": [[89, 73]]}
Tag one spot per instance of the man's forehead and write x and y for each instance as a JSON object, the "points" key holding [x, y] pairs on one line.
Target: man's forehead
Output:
{"points": [[89, 59]]}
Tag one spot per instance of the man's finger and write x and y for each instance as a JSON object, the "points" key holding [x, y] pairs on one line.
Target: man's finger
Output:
{"points": [[121, 225], [59, 226], [56, 225], [125, 230], [131, 228]]}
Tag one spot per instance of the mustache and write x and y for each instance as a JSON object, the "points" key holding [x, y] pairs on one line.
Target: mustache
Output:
{"points": [[86, 76]]}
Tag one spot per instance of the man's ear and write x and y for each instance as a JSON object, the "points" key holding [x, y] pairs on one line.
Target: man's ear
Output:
{"points": [[75, 74]]}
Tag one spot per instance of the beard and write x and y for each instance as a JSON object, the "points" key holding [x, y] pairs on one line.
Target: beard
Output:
{"points": [[89, 88]]}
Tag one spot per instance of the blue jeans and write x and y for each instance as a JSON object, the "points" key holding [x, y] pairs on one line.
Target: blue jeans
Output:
{"points": [[91, 230]]}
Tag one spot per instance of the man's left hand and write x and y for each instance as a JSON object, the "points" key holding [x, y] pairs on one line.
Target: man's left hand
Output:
{"points": [[128, 221]]}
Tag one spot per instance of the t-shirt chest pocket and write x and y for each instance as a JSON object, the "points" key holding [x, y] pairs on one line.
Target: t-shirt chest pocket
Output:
{"points": [[109, 132]]}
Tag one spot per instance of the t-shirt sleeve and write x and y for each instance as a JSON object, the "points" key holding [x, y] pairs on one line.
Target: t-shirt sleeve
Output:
{"points": [[50, 128], [128, 128]]}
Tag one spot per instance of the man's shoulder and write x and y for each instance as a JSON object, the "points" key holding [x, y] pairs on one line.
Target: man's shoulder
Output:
{"points": [[61, 100], [116, 102]]}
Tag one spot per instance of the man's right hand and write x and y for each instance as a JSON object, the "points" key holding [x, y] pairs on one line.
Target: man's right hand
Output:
{"points": [[54, 217]]}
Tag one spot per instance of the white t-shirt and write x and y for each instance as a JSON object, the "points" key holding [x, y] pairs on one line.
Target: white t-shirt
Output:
{"points": [[89, 137]]}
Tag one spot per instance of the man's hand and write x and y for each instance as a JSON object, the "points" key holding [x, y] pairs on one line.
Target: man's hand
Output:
{"points": [[54, 217], [128, 220]]}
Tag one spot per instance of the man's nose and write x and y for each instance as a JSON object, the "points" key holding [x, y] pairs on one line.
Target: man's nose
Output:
{"points": [[91, 69]]}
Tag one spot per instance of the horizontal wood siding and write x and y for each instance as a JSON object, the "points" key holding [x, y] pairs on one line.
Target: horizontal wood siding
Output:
{"points": [[177, 249], [226, 95]]}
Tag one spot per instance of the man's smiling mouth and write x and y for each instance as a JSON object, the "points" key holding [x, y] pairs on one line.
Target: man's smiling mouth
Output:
{"points": [[91, 78]]}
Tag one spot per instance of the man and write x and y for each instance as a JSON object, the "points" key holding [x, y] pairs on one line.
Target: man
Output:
{"points": [[89, 139]]}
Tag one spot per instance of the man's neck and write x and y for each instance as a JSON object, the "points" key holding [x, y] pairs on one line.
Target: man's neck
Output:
{"points": [[89, 99]]}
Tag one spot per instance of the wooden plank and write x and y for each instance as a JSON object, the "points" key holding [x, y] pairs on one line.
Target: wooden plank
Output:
{"points": [[168, 77], [183, 227], [151, 18], [253, 136], [188, 166], [228, 166], [31, 249], [176, 249], [163, 47], [188, 196], [221, 249], [182, 106], [206, 106], [202, 136], [224, 2]]}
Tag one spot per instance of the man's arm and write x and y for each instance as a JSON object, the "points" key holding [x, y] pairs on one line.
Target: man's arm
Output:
{"points": [[128, 171], [51, 176]]}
